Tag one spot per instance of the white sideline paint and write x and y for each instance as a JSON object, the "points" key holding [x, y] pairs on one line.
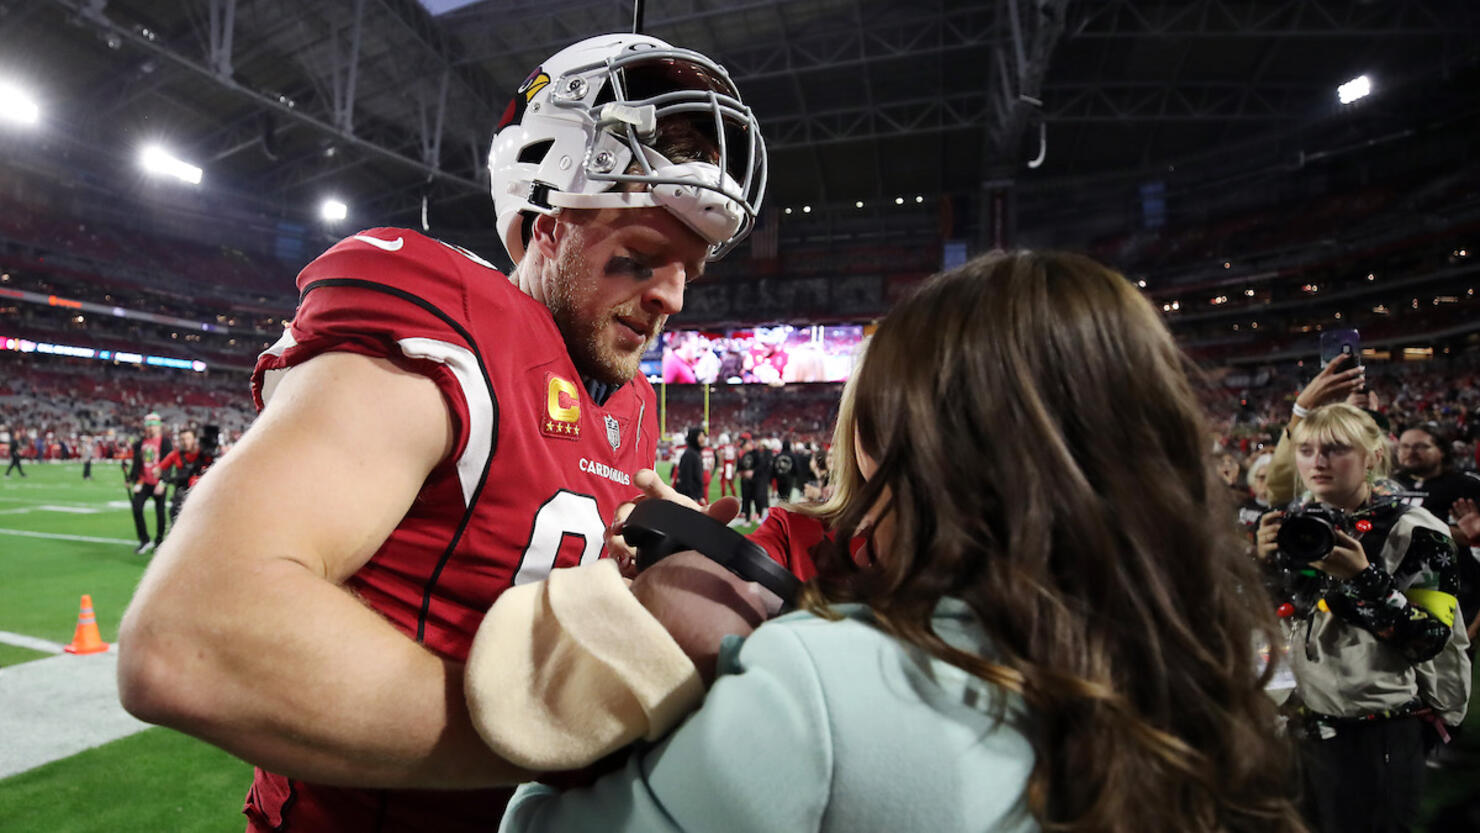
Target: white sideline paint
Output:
{"points": [[20, 640], [58, 536], [51, 507], [54, 708]]}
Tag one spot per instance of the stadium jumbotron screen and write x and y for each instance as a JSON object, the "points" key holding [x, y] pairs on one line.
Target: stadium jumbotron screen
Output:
{"points": [[756, 355]]}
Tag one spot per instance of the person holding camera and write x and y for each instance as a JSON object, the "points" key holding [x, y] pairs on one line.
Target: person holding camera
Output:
{"points": [[1376, 642], [188, 461]]}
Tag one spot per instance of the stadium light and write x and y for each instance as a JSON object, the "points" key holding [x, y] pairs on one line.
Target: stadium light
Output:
{"points": [[858, 204], [1359, 87], [899, 200], [333, 210], [806, 209], [157, 160], [17, 106]]}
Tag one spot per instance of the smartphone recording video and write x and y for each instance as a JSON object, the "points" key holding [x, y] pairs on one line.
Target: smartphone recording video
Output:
{"points": [[1337, 342]]}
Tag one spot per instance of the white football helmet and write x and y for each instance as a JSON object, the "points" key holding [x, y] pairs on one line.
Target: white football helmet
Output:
{"points": [[583, 121]]}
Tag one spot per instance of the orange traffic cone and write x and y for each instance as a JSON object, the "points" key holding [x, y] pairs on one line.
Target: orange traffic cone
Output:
{"points": [[86, 639]]}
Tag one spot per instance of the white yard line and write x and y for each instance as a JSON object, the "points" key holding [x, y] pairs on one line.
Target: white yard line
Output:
{"points": [[20, 640], [57, 536]]}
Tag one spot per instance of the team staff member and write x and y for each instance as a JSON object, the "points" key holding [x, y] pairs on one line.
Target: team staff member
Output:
{"points": [[688, 479], [14, 442], [313, 611], [144, 482]]}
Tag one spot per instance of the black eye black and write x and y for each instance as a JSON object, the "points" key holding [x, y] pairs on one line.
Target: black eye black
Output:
{"points": [[628, 265]]}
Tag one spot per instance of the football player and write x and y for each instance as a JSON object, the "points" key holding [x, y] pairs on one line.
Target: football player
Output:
{"points": [[433, 432]]}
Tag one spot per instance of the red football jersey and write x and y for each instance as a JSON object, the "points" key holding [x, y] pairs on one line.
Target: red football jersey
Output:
{"points": [[789, 538], [537, 469]]}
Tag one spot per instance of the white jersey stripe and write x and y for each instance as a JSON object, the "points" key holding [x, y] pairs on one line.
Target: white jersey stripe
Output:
{"points": [[464, 366], [271, 378]]}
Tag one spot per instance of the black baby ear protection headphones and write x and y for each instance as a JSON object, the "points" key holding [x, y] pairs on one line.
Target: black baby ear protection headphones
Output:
{"points": [[660, 528]]}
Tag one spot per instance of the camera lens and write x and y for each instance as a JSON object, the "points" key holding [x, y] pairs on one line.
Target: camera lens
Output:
{"points": [[1306, 538]]}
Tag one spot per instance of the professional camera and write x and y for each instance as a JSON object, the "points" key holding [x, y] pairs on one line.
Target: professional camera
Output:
{"points": [[210, 440], [1308, 533]]}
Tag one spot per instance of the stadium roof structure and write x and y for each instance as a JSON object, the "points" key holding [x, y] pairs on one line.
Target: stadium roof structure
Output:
{"points": [[390, 107]]}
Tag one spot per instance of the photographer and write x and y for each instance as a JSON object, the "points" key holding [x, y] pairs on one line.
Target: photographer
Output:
{"points": [[188, 462], [1376, 644]]}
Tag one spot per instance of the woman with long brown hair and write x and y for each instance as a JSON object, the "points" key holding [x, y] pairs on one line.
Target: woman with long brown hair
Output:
{"points": [[1052, 625]]}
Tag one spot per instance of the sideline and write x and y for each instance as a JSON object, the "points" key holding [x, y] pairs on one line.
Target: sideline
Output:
{"points": [[59, 536], [59, 706], [20, 640]]}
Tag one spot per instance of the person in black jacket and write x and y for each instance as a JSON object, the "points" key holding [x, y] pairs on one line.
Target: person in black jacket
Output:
{"points": [[144, 482], [690, 479], [783, 466], [764, 460]]}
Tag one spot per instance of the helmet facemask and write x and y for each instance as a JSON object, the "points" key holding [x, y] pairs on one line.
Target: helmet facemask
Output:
{"points": [[608, 114]]}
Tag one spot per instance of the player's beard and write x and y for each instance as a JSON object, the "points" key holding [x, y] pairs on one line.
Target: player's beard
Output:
{"points": [[586, 339]]}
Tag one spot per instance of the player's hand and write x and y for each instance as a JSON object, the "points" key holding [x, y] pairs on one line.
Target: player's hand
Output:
{"points": [[700, 603], [1264, 538], [1467, 518], [1333, 383], [138, 487], [1346, 558], [723, 510], [159, 489]]}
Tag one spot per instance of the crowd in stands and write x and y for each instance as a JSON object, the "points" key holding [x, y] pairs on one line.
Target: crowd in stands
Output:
{"points": [[112, 256], [1247, 407], [236, 337], [50, 405]]}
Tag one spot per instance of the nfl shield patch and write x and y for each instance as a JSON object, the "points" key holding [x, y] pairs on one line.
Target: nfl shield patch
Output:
{"points": [[613, 432]]}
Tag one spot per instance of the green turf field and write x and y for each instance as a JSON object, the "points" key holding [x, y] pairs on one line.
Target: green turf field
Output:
{"points": [[61, 537], [153, 781]]}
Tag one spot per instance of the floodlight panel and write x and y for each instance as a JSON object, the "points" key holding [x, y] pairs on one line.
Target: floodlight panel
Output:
{"points": [[16, 105], [1359, 87], [333, 210], [156, 159]]}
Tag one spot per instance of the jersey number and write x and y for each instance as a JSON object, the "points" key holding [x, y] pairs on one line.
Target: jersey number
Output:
{"points": [[566, 513]]}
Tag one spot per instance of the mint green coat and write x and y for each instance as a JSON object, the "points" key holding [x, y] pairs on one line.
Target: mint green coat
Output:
{"points": [[817, 725]]}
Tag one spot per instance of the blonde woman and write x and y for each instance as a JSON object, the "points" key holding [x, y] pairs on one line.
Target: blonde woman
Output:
{"points": [[1384, 646]]}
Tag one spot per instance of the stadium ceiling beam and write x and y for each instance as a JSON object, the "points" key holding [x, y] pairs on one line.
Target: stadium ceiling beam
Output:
{"points": [[1063, 103], [869, 99], [1289, 19], [957, 28], [1018, 94], [1159, 103], [446, 56], [543, 30], [95, 15], [819, 180]]}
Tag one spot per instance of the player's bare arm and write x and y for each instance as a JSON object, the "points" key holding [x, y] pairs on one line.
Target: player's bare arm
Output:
{"points": [[240, 633]]}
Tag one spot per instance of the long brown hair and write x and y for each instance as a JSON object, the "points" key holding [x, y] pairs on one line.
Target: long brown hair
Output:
{"points": [[1044, 458]]}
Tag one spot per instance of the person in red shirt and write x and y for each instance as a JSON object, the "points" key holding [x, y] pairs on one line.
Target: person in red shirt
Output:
{"points": [[708, 458], [314, 608], [189, 462], [727, 457], [144, 482]]}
